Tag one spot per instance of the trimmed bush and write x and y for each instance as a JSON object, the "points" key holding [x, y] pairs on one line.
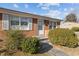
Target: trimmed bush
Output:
{"points": [[30, 45], [14, 40], [75, 29], [63, 37]]}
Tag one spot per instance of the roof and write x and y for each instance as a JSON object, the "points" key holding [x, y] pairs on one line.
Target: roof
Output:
{"points": [[24, 14]]}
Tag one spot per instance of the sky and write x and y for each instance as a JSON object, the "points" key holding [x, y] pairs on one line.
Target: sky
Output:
{"points": [[54, 10]]}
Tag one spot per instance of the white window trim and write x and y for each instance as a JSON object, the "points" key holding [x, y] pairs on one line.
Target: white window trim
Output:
{"points": [[28, 26], [5, 21], [53, 24], [14, 27]]}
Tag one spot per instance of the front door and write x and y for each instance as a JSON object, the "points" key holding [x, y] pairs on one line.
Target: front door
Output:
{"points": [[41, 28]]}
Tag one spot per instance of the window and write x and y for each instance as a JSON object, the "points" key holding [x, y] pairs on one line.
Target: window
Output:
{"points": [[40, 26], [16, 22], [52, 25], [5, 22], [30, 23], [26, 23]]}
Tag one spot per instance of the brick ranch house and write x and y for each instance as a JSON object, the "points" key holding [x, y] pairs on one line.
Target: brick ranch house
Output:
{"points": [[31, 24]]}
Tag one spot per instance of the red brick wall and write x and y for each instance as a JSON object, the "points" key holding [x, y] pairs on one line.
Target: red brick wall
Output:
{"points": [[0, 22], [2, 33]]}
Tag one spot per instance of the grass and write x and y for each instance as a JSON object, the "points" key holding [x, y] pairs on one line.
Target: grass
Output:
{"points": [[20, 53]]}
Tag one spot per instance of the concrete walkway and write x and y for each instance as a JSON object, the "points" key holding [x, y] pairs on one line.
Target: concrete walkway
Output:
{"points": [[46, 47]]}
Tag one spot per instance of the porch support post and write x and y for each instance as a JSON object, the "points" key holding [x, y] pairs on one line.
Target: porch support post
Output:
{"points": [[46, 28]]}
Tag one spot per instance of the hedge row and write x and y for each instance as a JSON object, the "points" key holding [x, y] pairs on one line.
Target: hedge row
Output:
{"points": [[76, 29], [63, 37]]}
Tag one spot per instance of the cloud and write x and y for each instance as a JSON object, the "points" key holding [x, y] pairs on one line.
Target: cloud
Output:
{"points": [[68, 11], [65, 9], [59, 14], [26, 5], [72, 9], [46, 6], [15, 5], [54, 14], [75, 11]]}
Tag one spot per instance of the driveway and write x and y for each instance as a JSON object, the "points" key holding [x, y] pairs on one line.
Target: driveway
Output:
{"points": [[47, 47]]}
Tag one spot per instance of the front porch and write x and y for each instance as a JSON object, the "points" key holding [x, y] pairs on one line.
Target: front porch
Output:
{"points": [[43, 27]]}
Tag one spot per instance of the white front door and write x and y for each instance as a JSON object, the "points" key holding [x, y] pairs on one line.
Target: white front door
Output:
{"points": [[41, 27]]}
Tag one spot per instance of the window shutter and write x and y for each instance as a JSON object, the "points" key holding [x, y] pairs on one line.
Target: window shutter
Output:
{"points": [[5, 22]]}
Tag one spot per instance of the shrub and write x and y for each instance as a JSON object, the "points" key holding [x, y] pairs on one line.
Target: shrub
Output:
{"points": [[63, 37], [75, 28], [30, 45], [14, 40]]}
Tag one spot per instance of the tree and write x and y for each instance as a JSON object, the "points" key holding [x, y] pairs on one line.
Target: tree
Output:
{"points": [[71, 18]]}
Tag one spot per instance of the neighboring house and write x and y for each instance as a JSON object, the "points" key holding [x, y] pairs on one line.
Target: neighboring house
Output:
{"points": [[31, 24], [69, 25]]}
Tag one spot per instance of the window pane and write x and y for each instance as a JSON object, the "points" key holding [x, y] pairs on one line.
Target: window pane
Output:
{"points": [[24, 21], [50, 25], [30, 24], [40, 25], [54, 24], [14, 22], [5, 22]]}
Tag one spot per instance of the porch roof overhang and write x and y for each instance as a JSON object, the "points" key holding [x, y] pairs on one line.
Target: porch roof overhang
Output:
{"points": [[23, 14]]}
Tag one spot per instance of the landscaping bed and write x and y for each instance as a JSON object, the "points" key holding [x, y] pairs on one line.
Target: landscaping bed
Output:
{"points": [[65, 40], [69, 51], [17, 44], [63, 37], [21, 53]]}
